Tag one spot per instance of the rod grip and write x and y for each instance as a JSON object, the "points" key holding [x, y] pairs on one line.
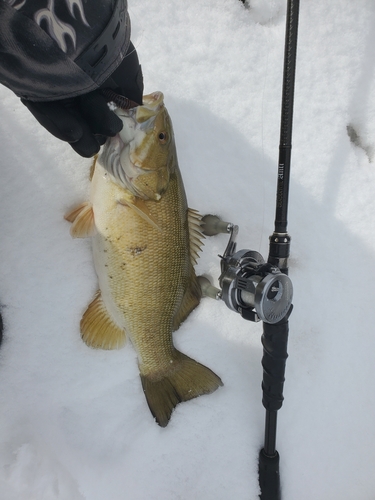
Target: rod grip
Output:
{"points": [[275, 343], [269, 476]]}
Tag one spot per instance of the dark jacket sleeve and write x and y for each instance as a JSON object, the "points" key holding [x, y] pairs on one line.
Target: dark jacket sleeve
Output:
{"points": [[55, 49]]}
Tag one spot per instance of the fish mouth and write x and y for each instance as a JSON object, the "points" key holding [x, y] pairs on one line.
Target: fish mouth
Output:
{"points": [[115, 158], [118, 157]]}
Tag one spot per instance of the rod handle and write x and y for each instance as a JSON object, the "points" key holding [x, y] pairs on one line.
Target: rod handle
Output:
{"points": [[275, 342], [269, 476]]}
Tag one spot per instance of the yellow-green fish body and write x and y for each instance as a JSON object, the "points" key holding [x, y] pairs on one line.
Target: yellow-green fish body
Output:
{"points": [[145, 242]]}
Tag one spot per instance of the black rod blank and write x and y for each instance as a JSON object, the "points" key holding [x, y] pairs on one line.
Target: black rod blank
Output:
{"points": [[275, 337], [286, 126]]}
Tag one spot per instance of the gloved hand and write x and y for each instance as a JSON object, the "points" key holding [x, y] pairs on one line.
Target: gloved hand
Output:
{"points": [[86, 121]]}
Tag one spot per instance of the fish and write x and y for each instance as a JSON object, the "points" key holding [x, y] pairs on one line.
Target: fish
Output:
{"points": [[145, 243]]}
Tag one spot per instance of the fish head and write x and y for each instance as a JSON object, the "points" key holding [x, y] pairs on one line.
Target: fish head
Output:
{"points": [[140, 157]]}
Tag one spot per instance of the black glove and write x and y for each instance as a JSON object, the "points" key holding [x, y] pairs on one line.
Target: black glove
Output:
{"points": [[86, 121], [83, 121]]}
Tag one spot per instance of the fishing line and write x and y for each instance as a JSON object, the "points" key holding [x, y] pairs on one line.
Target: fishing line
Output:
{"points": [[136, 23], [262, 126]]}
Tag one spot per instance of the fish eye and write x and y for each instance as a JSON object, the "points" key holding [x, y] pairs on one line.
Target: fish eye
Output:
{"points": [[163, 137]]}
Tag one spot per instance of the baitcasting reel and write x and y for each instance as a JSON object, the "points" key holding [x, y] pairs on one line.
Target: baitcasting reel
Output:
{"points": [[250, 286]]}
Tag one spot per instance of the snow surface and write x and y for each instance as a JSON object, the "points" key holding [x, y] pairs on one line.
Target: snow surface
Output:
{"points": [[74, 421]]}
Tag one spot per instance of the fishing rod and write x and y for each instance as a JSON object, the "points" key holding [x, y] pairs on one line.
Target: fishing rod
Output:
{"points": [[275, 337], [263, 291]]}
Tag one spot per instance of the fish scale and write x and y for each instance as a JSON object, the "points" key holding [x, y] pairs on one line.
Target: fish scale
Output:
{"points": [[154, 281]]}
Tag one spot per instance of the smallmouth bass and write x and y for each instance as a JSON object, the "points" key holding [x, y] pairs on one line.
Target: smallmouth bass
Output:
{"points": [[145, 243]]}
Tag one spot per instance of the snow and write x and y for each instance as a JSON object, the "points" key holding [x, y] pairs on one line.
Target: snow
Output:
{"points": [[74, 421]]}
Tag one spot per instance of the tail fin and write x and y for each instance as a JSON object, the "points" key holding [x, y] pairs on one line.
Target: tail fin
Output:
{"points": [[188, 379]]}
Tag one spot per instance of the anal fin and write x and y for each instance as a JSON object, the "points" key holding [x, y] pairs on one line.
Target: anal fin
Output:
{"points": [[98, 330]]}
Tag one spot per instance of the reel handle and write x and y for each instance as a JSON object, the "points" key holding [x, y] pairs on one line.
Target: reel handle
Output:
{"points": [[208, 290], [213, 225]]}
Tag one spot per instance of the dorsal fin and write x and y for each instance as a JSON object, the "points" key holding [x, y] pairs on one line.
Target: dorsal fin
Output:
{"points": [[189, 302], [196, 236]]}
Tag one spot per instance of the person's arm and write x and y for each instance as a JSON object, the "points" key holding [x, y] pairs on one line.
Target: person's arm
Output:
{"points": [[58, 58]]}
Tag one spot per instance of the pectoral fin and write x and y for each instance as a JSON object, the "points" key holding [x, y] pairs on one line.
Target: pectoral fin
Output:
{"points": [[92, 168], [139, 206], [98, 330], [82, 219]]}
